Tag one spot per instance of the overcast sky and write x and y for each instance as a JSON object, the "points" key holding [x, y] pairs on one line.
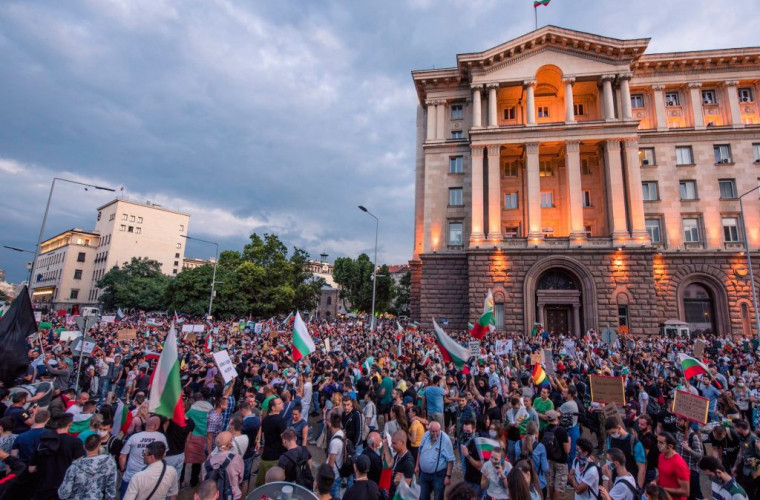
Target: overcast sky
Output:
{"points": [[260, 116]]}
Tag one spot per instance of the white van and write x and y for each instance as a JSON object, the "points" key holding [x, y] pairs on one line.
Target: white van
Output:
{"points": [[90, 311]]}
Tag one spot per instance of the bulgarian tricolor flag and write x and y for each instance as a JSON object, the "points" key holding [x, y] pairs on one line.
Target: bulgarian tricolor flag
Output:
{"points": [[692, 366], [414, 326], [119, 314], [539, 3], [303, 344], [177, 319], [208, 344], [122, 419], [399, 331], [81, 423], [289, 319], [426, 359], [166, 392], [451, 352], [485, 446], [486, 323]]}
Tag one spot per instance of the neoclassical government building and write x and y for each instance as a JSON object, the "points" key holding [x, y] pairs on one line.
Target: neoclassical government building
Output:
{"points": [[588, 183]]}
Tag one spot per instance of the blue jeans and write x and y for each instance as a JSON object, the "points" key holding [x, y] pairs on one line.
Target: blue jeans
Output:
{"points": [[105, 386], [314, 402], [123, 488], [335, 490], [574, 433], [432, 483], [511, 445]]}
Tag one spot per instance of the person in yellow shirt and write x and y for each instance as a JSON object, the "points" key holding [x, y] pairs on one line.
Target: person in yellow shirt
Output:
{"points": [[417, 428]]}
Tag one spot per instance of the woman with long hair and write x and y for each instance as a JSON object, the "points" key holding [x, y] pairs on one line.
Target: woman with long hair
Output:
{"points": [[526, 467], [530, 447], [518, 485], [482, 425], [397, 422]]}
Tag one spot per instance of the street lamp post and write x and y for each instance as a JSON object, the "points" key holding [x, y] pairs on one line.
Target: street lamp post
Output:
{"points": [[749, 258], [213, 277], [16, 249], [44, 219], [374, 265]]}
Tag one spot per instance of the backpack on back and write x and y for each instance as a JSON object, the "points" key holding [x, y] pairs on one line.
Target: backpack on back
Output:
{"points": [[304, 476], [553, 448], [634, 489], [347, 469], [219, 476]]}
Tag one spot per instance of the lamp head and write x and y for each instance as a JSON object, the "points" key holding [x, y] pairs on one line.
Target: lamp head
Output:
{"points": [[363, 208]]}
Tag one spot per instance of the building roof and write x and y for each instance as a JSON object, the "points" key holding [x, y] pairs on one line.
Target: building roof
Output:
{"points": [[74, 230], [398, 268], [147, 204]]}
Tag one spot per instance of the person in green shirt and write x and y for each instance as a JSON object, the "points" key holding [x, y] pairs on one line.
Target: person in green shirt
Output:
{"points": [[542, 404], [385, 394]]}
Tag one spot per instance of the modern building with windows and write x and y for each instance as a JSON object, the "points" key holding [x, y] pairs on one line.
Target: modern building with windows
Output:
{"points": [[588, 183]]}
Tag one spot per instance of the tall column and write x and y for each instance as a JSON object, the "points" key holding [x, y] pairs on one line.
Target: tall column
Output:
{"points": [[625, 95], [477, 116], [733, 103], [569, 104], [530, 102], [492, 88], [607, 98], [635, 194], [574, 189], [432, 116], [494, 194], [577, 321], [441, 121], [659, 107], [477, 234], [533, 190], [615, 190], [695, 96]]}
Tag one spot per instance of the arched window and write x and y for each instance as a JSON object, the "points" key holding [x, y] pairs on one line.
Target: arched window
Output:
{"points": [[699, 308]]}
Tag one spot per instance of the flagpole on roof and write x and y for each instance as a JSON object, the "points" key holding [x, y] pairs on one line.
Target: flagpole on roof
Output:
{"points": [[535, 13]]}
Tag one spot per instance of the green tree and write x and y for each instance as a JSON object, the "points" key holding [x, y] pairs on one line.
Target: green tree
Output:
{"points": [[138, 284], [401, 296], [355, 279]]}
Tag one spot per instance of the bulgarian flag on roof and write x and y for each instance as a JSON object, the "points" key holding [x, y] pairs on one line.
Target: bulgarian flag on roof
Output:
{"points": [[303, 345], [485, 446], [450, 350], [539, 3], [166, 392], [692, 366], [486, 323]]}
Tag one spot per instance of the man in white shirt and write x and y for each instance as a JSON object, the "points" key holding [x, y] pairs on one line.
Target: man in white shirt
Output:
{"points": [[78, 406], [624, 487], [131, 459], [584, 477], [336, 451], [157, 480]]}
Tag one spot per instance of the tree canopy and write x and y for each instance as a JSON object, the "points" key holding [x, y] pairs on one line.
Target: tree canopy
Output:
{"points": [[138, 284], [355, 279]]}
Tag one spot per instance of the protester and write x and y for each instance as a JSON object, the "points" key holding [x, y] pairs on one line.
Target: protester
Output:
{"points": [[363, 487], [296, 461], [157, 479], [53, 456], [434, 462], [672, 472], [92, 477], [132, 457]]}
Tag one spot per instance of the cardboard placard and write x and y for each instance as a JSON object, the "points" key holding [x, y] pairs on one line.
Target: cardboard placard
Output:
{"points": [[327, 344], [690, 406], [126, 334], [107, 319], [612, 410], [607, 389], [699, 348], [536, 358], [191, 337], [226, 368], [474, 346]]}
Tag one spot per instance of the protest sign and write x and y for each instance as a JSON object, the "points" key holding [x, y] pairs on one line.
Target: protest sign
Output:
{"points": [[474, 346], [607, 389], [191, 337], [258, 328], [536, 358], [226, 368], [107, 319], [570, 347], [273, 334], [37, 316], [69, 335], [699, 348], [612, 410], [549, 362], [87, 346], [327, 344], [126, 334], [187, 328], [153, 322], [503, 348], [691, 406]]}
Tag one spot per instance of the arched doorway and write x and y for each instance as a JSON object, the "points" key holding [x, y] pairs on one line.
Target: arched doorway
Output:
{"points": [[560, 293], [699, 308]]}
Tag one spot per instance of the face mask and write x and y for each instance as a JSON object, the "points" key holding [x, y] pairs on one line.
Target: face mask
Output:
{"points": [[102, 433], [466, 436], [492, 434], [615, 435]]}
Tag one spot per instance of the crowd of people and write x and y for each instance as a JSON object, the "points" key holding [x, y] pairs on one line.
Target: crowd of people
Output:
{"points": [[384, 413]]}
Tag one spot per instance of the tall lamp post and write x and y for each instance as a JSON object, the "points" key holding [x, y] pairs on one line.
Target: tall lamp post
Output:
{"points": [[213, 277], [374, 264], [16, 249], [44, 219], [749, 258]]}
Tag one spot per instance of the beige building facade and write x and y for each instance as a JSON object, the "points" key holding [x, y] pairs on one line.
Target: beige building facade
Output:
{"points": [[588, 183]]}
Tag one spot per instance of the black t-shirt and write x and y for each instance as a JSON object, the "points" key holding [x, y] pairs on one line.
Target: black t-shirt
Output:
{"points": [[649, 442], [404, 465], [471, 474], [176, 437], [362, 490], [251, 425], [271, 428], [19, 416], [561, 437], [53, 456], [290, 458], [375, 465], [729, 447], [668, 421]]}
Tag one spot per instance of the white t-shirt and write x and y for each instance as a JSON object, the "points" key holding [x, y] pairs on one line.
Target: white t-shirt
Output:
{"points": [[240, 444], [307, 394], [134, 447], [620, 491], [495, 489], [590, 476], [336, 448]]}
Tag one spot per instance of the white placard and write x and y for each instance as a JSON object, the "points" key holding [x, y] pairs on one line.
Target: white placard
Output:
{"points": [[187, 328], [258, 328], [225, 365], [153, 322], [474, 346], [70, 335], [107, 319], [327, 344], [503, 347], [88, 345], [37, 316], [570, 347]]}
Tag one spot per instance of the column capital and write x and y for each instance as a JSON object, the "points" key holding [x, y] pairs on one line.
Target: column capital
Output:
{"points": [[631, 143], [731, 83], [612, 144], [695, 85], [572, 146], [658, 86], [430, 102], [568, 79], [531, 147], [625, 76], [494, 149], [476, 86], [607, 78], [492, 85], [477, 150], [529, 83]]}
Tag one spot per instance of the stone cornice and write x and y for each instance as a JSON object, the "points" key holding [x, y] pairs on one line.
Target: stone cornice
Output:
{"points": [[560, 132]]}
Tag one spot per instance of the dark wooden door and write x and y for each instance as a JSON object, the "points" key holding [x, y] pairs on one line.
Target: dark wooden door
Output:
{"points": [[557, 319]]}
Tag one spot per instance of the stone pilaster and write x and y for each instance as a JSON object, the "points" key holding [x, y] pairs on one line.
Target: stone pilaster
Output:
{"points": [[494, 194], [477, 234]]}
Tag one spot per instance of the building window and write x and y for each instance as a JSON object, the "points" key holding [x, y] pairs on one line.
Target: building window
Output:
{"points": [[654, 229], [756, 152], [124, 217], [587, 231], [457, 112], [455, 233], [511, 168], [579, 110], [646, 156], [174, 271], [546, 168], [131, 229], [586, 198], [637, 100], [543, 111], [745, 94], [455, 197], [691, 230], [730, 229], [457, 134], [722, 153], [727, 188], [176, 256], [132, 218], [138, 230], [672, 99], [512, 232], [547, 199], [111, 217], [585, 166], [74, 294], [176, 263], [329, 300], [509, 113], [123, 227], [511, 201], [623, 315], [688, 190], [650, 190], [684, 155], [139, 220], [708, 97], [80, 257], [77, 274], [456, 165]]}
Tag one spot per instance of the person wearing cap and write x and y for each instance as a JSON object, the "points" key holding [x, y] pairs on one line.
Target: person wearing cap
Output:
{"points": [[363, 487]]}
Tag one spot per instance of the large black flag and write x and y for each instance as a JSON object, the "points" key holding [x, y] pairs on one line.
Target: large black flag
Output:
{"points": [[15, 326]]}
